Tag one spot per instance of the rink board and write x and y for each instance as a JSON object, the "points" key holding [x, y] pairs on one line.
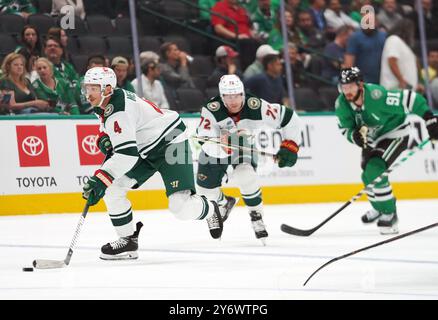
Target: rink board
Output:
{"points": [[46, 161]]}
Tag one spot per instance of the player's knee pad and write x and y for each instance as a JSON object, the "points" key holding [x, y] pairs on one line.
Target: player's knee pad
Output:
{"points": [[245, 176], [179, 204], [374, 168]]}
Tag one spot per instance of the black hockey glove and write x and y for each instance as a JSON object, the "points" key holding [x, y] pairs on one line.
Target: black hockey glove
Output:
{"points": [[431, 125], [360, 137]]}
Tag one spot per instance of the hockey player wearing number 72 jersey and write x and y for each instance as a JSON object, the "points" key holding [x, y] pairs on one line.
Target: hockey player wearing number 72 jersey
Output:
{"points": [[234, 117], [139, 140]]}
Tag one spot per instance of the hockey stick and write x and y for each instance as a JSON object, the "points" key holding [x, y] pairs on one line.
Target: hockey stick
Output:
{"points": [[52, 264], [372, 246], [232, 146], [305, 233]]}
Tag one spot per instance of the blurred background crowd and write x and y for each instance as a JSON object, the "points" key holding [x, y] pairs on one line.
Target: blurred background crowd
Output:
{"points": [[187, 45]]}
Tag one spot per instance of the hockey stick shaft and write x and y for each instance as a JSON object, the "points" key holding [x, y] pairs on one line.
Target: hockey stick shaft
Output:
{"points": [[372, 246], [298, 232], [231, 146], [76, 234]]}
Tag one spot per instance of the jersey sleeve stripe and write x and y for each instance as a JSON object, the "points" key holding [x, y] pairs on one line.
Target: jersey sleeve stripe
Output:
{"points": [[288, 113], [405, 100], [129, 151], [124, 145]]}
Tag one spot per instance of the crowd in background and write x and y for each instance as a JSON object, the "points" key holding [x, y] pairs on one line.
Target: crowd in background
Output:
{"points": [[323, 36]]}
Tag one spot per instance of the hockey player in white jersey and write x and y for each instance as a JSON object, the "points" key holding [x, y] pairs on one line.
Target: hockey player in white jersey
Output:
{"points": [[232, 118], [139, 140]]}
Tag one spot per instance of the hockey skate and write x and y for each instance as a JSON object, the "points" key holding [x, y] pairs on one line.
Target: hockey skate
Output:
{"points": [[215, 222], [125, 248], [388, 223], [258, 226], [227, 207], [371, 216]]}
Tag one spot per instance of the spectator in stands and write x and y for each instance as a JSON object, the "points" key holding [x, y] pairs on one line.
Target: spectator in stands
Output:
{"points": [[399, 63], [147, 56], [433, 74], [316, 10], [152, 88], [23, 8], [263, 19], [30, 46], [225, 64], [174, 69], [23, 99], [5, 98], [430, 10], [364, 50], [337, 18], [120, 66], [77, 5], [207, 5], [257, 66], [269, 84], [275, 39], [310, 36], [62, 36], [356, 7], [388, 15], [297, 65], [84, 106], [62, 69], [240, 30], [336, 50], [56, 92]]}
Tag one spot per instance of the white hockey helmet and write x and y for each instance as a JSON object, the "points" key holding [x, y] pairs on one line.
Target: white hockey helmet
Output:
{"points": [[102, 76], [230, 84]]}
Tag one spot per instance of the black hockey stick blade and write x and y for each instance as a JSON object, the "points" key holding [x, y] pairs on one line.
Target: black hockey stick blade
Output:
{"points": [[296, 232], [371, 246], [305, 233]]}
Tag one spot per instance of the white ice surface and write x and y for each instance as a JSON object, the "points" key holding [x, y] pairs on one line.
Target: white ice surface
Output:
{"points": [[179, 260]]}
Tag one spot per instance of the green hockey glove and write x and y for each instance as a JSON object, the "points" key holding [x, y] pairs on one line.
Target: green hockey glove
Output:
{"points": [[288, 154], [95, 188]]}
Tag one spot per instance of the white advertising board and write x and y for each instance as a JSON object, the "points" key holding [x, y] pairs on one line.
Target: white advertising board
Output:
{"points": [[58, 156]]}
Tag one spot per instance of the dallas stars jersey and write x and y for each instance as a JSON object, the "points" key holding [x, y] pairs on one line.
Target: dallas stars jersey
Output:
{"points": [[383, 112], [136, 127], [255, 114]]}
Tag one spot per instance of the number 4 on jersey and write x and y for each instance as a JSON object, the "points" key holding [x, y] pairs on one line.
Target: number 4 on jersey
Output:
{"points": [[117, 128]]}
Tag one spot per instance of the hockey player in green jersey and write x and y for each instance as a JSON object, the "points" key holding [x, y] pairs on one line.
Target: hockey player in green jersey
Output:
{"points": [[233, 117], [139, 140], [375, 119]]}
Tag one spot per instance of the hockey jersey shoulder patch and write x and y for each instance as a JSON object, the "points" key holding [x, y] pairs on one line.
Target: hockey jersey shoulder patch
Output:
{"points": [[376, 94], [254, 103], [213, 106], [109, 109]]}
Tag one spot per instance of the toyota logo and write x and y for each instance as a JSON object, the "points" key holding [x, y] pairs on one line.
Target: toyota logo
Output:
{"points": [[89, 145], [32, 146]]}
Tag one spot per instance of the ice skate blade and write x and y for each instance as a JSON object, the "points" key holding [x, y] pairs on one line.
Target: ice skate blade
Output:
{"points": [[131, 255]]}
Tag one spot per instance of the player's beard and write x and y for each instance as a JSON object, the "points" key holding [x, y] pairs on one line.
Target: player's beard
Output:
{"points": [[357, 96]]}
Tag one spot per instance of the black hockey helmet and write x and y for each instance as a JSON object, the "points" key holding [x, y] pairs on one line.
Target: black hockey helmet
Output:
{"points": [[350, 75]]}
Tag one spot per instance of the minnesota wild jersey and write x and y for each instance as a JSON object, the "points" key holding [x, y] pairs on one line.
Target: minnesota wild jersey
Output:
{"points": [[136, 127], [384, 112], [255, 115]]}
